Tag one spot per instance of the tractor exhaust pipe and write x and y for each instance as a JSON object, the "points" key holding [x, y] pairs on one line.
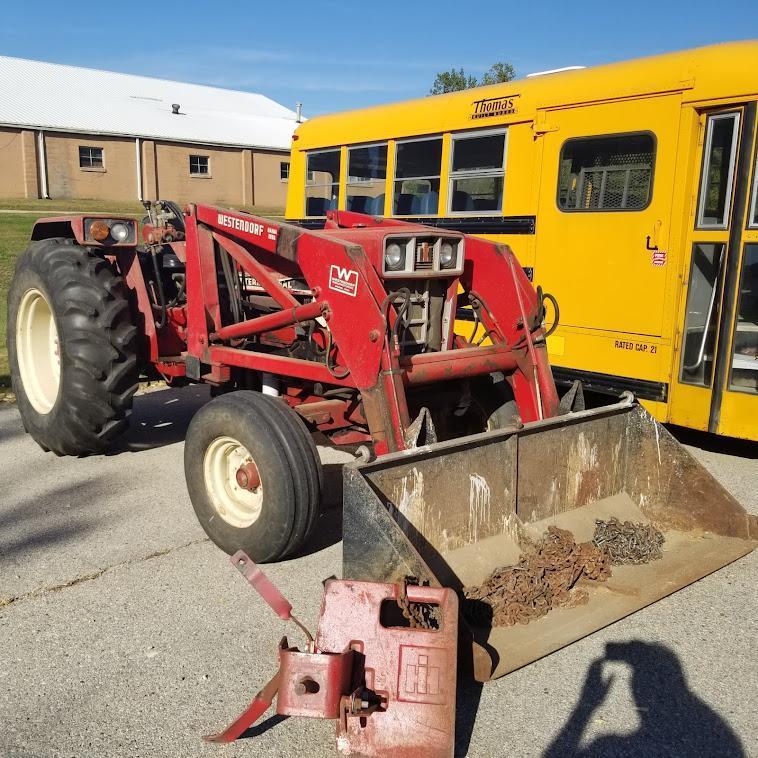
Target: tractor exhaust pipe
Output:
{"points": [[270, 384]]}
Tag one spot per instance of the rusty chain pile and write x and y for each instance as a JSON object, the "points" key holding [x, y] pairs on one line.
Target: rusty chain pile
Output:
{"points": [[627, 542], [543, 579]]}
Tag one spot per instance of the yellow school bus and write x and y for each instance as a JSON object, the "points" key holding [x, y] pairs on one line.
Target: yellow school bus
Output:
{"points": [[628, 191]]}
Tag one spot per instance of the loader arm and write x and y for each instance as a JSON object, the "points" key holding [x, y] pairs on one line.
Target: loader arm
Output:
{"points": [[357, 305]]}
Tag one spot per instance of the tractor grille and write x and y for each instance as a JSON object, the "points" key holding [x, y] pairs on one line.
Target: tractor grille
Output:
{"points": [[416, 320], [421, 327], [423, 255]]}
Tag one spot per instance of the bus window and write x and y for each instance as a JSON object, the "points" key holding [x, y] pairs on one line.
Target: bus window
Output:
{"points": [[753, 223], [718, 170], [702, 314], [366, 174], [322, 182], [417, 177], [745, 344], [477, 173], [606, 173]]}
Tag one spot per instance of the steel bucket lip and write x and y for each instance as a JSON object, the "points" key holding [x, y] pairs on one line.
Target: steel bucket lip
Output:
{"points": [[626, 402]]}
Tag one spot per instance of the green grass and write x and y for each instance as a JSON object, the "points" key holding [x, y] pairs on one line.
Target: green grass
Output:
{"points": [[45, 207], [14, 236], [48, 207], [15, 229]]}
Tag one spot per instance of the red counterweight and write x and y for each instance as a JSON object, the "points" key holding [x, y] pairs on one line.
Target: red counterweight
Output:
{"points": [[383, 665], [409, 663]]}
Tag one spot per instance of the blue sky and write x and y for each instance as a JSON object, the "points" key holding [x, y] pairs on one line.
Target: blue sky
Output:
{"points": [[334, 55]]}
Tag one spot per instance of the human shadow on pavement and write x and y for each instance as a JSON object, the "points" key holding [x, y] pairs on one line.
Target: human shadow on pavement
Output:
{"points": [[161, 418], [674, 721]]}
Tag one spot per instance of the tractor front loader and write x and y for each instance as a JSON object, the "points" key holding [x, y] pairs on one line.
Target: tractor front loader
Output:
{"points": [[349, 331]]}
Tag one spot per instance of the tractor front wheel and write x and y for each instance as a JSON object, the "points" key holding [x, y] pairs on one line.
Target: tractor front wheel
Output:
{"points": [[253, 475], [72, 347]]}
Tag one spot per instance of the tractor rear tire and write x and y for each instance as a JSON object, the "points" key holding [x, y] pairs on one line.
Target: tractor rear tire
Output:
{"points": [[247, 431], [72, 347]]}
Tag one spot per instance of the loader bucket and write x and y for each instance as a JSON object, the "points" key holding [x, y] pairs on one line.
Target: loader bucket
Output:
{"points": [[452, 512]]}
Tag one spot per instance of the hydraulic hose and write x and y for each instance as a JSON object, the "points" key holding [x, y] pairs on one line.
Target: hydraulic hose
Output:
{"points": [[331, 368], [231, 286], [547, 296], [159, 323], [405, 303]]}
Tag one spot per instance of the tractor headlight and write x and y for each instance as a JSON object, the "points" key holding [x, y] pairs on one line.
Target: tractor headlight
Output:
{"points": [[98, 230], [394, 257], [119, 232], [110, 231], [447, 255]]}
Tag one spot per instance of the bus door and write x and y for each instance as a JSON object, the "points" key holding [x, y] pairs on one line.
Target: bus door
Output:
{"points": [[603, 225], [716, 364]]}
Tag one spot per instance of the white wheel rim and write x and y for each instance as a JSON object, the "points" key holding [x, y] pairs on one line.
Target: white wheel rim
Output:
{"points": [[38, 351], [238, 506]]}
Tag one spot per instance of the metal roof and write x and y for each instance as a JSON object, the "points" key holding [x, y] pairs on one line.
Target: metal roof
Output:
{"points": [[52, 96]]}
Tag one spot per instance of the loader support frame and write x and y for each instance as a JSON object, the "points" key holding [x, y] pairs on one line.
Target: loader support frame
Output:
{"points": [[363, 353]]}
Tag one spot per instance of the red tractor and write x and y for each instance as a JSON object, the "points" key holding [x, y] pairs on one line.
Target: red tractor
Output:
{"points": [[348, 331]]}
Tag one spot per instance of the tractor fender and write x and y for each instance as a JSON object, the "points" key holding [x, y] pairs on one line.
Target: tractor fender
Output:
{"points": [[125, 261], [67, 227]]}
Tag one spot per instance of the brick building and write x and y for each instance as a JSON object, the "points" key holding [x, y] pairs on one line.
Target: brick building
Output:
{"points": [[68, 132]]}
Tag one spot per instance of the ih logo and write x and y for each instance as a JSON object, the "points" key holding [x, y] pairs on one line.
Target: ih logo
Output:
{"points": [[419, 676], [344, 280]]}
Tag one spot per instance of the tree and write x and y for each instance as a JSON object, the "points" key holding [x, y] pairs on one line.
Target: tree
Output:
{"points": [[457, 79], [452, 81], [499, 72]]}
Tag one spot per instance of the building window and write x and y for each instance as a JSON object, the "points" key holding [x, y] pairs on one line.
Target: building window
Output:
{"points": [[322, 182], [606, 173], [719, 157], [477, 173], [417, 177], [367, 174], [284, 171], [90, 157], [199, 165]]}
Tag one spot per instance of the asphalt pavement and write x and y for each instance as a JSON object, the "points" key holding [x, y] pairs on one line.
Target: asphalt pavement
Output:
{"points": [[124, 632]]}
